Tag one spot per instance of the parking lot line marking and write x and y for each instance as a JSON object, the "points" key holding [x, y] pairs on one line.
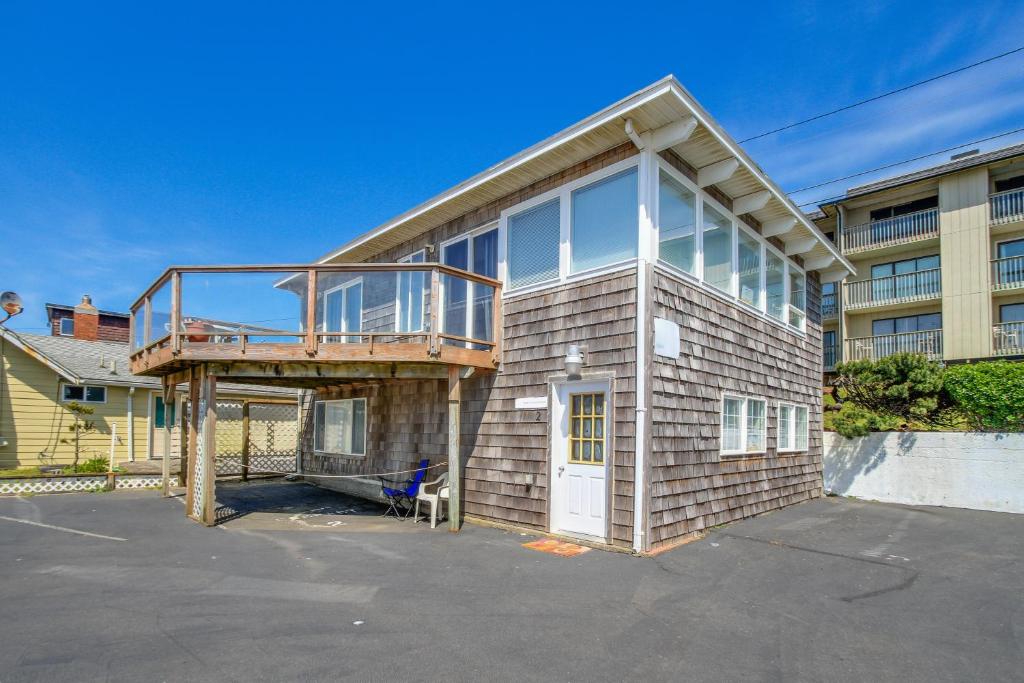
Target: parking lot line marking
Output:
{"points": [[62, 528]]}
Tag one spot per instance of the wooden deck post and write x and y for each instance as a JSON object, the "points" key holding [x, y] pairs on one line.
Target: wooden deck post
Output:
{"points": [[454, 445], [165, 467], [175, 313], [311, 338], [193, 438], [199, 501], [245, 440], [435, 311], [209, 436], [183, 436]]}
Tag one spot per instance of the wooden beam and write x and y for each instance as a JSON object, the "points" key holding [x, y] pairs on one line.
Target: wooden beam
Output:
{"points": [[718, 172], [168, 398], [435, 308], [800, 246], [311, 337], [209, 437], [454, 446], [778, 227], [176, 312], [673, 134], [193, 438], [754, 201], [183, 439], [819, 262], [256, 369]]}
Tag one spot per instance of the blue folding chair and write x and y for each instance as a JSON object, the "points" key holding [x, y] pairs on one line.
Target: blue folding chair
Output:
{"points": [[401, 495]]}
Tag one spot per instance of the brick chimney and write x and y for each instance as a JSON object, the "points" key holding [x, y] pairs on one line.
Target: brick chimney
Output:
{"points": [[87, 320]]}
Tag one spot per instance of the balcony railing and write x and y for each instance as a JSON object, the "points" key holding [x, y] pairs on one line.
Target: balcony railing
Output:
{"points": [[917, 286], [1008, 339], [830, 356], [928, 342], [1006, 207], [416, 312], [829, 306], [891, 231], [1008, 273]]}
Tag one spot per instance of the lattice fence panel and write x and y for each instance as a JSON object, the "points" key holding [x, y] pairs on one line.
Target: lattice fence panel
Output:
{"points": [[228, 458], [273, 436]]}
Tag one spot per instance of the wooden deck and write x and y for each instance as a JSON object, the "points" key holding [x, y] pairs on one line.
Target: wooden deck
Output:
{"points": [[174, 330]]}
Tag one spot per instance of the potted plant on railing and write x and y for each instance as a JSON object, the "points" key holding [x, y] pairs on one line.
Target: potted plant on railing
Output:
{"points": [[197, 331]]}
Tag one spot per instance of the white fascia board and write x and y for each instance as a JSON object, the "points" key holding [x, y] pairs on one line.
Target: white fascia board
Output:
{"points": [[31, 351], [733, 148]]}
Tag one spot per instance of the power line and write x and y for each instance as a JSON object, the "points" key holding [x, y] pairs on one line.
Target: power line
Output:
{"points": [[896, 163], [883, 95]]}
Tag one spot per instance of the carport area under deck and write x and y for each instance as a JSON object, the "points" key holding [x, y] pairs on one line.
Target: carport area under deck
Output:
{"points": [[356, 325]]}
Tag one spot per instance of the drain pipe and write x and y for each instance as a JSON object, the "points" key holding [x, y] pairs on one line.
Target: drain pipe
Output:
{"points": [[131, 423]]}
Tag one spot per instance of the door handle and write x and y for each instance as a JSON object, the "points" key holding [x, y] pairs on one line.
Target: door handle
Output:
{"points": [[561, 468]]}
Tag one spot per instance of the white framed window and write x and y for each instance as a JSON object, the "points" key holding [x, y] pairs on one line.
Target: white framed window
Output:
{"points": [[604, 222], [792, 428], [744, 425], [583, 227], [83, 393], [413, 288], [67, 327], [724, 254], [467, 307], [339, 427], [343, 311]]}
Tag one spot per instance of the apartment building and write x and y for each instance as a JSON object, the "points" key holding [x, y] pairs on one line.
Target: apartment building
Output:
{"points": [[939, 255]]}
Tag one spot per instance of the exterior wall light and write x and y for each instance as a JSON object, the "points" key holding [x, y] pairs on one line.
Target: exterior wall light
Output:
{"points": [[573, 362]]}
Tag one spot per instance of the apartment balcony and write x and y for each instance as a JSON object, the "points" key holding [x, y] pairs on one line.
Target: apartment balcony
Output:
{"points": [[830, 356], [1008, 274], [894, 290], [1006, 207], [891, 232], [1008, 339], [829, 306], [928, 342], [303, 325]]}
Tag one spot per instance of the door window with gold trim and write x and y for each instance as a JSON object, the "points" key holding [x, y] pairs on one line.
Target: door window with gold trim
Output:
{"points": [[587, 429]]}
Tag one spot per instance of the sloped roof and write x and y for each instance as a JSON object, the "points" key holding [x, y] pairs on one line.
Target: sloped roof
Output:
{"points": [[99, 362], [65, 307]]}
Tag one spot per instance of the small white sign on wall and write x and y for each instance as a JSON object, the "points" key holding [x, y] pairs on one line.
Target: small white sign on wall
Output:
{"points": [[532, 403], [666, 338]]}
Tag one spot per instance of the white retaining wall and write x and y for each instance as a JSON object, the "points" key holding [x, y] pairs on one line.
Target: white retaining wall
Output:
{"points": [[977, 471]]}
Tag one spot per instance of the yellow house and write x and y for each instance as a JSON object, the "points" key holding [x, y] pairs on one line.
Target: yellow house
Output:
{"points": [[41, 375]]}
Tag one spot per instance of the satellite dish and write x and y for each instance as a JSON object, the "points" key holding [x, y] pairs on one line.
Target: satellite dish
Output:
{"points": [[11, 303]]}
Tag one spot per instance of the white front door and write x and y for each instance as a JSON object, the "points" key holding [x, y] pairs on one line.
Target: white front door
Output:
{"points": [[580, 419]]}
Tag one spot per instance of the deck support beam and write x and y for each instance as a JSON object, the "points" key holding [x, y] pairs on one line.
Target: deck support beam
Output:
{"points": [[454, 446], [165, 467], [199, 500]]}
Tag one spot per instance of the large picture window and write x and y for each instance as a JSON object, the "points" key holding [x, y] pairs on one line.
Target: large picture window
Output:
{"points": [[533, 239], [604, 222], [340, 427], [677, 224], [82, 393], [750, 269], [744, 425], [717, 249]]}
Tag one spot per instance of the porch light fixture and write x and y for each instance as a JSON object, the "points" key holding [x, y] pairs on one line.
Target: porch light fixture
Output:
{"points": [[573, 362]]}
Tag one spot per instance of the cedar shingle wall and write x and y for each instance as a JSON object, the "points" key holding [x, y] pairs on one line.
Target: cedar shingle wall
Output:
{"points": [[725, 349]]}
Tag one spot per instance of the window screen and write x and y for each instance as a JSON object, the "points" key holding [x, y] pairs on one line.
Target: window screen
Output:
{"points": [[533, 238], [604, 222]]}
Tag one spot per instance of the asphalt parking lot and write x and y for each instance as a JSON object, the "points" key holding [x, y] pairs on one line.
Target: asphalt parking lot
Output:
{"points": [[305, 584]]}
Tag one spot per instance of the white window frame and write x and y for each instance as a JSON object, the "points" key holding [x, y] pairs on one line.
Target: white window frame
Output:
{"points": [[398, 293], [471, 237], [697, 277], [792, 427], [85, 390], [743, 425], [343, 334], [60, 326], [564, 194], [318, 448]]}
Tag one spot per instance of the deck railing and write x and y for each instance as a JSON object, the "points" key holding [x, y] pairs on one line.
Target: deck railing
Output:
{"points": [[1006, 207], [1008, 273], [917, 286], [890, 231], [362, 311], [829, 306], [830, 356], [928, 342], [1008, 339]]}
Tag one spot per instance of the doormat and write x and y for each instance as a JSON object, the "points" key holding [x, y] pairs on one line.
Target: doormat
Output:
{"points": [[555, 547]]}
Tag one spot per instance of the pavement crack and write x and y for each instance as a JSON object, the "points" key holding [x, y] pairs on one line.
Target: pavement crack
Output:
{"points": [[902, 585]]}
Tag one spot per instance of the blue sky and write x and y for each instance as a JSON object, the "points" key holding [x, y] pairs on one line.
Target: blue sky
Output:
{"points": [[138, 135]]}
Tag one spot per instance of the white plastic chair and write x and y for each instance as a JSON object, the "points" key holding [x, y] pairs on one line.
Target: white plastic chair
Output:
{"points": [[435, 499]]}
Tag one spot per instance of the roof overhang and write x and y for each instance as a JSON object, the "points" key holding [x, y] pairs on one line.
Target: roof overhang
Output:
{"points": [[652, 109], [12, 338]]}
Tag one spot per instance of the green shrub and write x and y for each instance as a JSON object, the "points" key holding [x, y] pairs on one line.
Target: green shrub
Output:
{"points": [[91, 466], [989, 394]]}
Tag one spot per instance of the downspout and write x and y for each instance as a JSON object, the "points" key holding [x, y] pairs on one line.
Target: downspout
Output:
{"points": [[131, 423], [644, 243]]}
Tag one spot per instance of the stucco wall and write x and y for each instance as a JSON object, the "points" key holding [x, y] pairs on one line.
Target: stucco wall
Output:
{"points": [[977, 471]]}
